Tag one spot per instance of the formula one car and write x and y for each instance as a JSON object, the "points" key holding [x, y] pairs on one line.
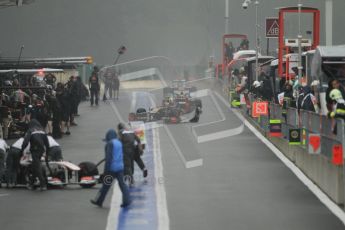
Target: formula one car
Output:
{"points": [[183, 103], [179, 95], [165, 113], [57, 173]]}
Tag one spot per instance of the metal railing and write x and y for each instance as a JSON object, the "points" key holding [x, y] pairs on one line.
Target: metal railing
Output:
{"points": [[309, 122]]}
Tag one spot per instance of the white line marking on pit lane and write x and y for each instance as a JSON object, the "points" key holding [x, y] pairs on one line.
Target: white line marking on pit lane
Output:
{"points": [[114, 208], [4, 195], [116, 196], [113, 106], [162, 209], [220, 134], [188, 164], [133, 102], [334, 208]]}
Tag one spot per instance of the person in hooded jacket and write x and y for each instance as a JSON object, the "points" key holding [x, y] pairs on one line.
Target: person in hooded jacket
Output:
{"points": [[113, 168], [38, 145]]}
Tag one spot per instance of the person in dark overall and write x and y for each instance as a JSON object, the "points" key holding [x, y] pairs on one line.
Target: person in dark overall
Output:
{"points": [[94, 88], [74, 94], [38, 145], [79, 85], [107, 85], [130, 152], [39, 110], [113, 169], [63, 96], [116, 84], [56, 112], [50, 79], [288, 97]]}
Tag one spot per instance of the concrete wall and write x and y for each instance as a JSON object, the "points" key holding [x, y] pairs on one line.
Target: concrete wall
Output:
{"points": [[318, 168]]}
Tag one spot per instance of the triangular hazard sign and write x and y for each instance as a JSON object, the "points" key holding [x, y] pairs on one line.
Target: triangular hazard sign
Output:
{"points": [[274, 29]]}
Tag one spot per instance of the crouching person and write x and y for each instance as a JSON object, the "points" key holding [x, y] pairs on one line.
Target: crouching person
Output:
{"points": [[13, 161], [38, 140], [55, 153], [113, 169]]}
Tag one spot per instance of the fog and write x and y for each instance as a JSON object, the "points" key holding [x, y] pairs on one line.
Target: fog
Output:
{"points": [[187, 31]]}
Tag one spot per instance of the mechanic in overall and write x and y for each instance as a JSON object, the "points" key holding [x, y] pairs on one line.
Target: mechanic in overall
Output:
{"points": [[74, 94], [131, 152], [94, 88], [116, 84], [107, 85], [38, 140], [55, 153], [50, 79], [3, 148], [13, 161], [114, 168]]}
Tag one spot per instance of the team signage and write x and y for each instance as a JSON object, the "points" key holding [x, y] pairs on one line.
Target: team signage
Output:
{"points": [[294, 137], [275, 128], [259, 108], [272, 27], [337, 155], [314, 143]]}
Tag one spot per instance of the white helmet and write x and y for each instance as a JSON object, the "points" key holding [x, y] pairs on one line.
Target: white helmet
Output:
{"points": [[315, 83], [256, 84]]}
